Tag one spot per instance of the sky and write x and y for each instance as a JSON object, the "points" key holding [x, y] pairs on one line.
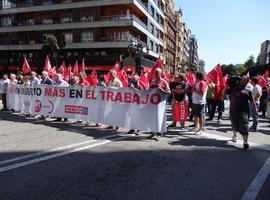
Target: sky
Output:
{"points": [[227, 31]]}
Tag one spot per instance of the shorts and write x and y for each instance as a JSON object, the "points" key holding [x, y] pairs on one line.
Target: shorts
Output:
{"points": [[198, 110], [239, 122]]}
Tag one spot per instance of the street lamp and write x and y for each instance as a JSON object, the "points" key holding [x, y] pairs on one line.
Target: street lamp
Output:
{"points": [[138, 46]]}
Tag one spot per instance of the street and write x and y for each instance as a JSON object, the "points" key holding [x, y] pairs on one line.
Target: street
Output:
{"points": [[56, 160]]}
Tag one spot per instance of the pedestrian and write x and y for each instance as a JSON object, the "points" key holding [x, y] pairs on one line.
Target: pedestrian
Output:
{"points": [[3, 85], [59, 81], [180, 96], [241, 100], [163, 87], [34, 79], [263, 102], [218, 103], [135, 84], [82, 80], [115, 83], [199, 92], [210, 99], [101, 83], [45, 79], [13, 79], [172, 86], [256, 94]]}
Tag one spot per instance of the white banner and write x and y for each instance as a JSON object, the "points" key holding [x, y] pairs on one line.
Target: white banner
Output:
{"points": [[123, 107]]}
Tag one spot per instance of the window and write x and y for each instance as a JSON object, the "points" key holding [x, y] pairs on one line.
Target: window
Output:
{"points": [[157, 17], [68, 37], [157, 48], [267, 60], [157, 33], [152, 28], [29, 3], [6, 21], [151, 45], [66, 20], [152, 11], [87, 36], [87, 19], [268, 48], [6, 4]]}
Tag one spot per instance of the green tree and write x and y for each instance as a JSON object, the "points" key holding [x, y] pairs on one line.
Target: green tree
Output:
{"points": [[250, 62], [53, 47], [241, 69], [229, 70]]}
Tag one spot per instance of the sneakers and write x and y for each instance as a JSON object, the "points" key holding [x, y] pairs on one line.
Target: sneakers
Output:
{"points": [[234, 138], [246, 146]]}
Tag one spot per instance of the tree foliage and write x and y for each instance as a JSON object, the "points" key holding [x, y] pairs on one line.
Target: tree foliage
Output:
{"points": [[53, 47], [250, 62]]}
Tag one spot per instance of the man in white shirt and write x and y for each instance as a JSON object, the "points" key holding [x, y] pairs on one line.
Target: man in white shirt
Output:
{"points": [[34, 79], [3, 85], [114, 81], [256, 94]]}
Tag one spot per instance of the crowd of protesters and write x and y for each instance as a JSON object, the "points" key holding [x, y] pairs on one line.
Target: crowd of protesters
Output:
{"points": [[203, 98]]}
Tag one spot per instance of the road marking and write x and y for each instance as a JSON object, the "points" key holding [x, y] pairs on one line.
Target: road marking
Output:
{"points": [[239, 142], [257, 182], [56, 149], [44, 158]]}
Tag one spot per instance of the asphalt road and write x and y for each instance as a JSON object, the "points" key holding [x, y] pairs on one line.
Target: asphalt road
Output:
{"points": [[51, 160]]}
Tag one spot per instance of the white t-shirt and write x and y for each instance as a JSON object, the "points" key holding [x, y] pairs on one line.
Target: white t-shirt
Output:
{"points": [[115, 83], [256, 90], [3, 86], [198, 98]]}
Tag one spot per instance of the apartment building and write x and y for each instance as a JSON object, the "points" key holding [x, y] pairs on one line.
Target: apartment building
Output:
{"points": [[170, 31], [193, 52], [101, 31], [264, 57]]}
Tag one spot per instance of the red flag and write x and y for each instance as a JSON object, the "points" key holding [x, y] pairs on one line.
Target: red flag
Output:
{"points": [[52, 72], [82, 67], [26, 68], [216, 76], [123, 78], [190, 78], [144, 81], [116, 67], [76, 69], [62, 68], [47, 66], [262, 81], [67, 73], [266, 74], [157, 65], [107, 78], [92, 78]]}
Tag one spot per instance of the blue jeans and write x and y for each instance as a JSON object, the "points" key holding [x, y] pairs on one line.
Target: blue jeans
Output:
{"points": [[254, 117]]}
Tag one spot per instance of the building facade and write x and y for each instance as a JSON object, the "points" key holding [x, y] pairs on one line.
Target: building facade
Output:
{"points": [[264, 57], [100, 31], [193, 52], [201, 66]]}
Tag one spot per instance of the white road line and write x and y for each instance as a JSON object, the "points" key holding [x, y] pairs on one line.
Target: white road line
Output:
{"points": [[258, 182], [55, 150], [40, 159], [239, 142]]}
